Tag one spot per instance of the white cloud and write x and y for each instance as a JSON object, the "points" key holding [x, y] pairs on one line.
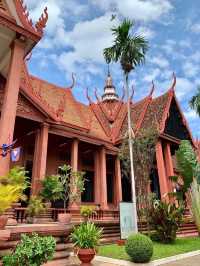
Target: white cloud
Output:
{"points": [[191, 115], [152, 75], [195, 28], [160, 61], [146, 32], [184, 87], [190, 69], [149, 10]]}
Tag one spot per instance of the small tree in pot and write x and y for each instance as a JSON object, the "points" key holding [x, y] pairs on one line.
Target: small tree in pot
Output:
{"points": [[86, 238], [34, 209], [73, 185], [51, 189]]}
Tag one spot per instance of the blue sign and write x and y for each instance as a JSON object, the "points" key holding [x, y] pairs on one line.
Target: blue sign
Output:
{"points": [[127, 224]]}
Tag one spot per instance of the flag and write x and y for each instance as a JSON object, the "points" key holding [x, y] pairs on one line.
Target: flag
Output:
{"points": [[15, 154]]}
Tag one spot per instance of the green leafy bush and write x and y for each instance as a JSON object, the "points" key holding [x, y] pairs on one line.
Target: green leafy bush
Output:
{"points": [[87, 211], [165, 219], [51, 188], [86, 235], [11, 188], [195, 199], [139, 247], [31, 251], [35, 206]]}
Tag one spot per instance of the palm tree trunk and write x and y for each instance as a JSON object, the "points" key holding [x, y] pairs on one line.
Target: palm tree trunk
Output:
{"points": [[131, 155]]}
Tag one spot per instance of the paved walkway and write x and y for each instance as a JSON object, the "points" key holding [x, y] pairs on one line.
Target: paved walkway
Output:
{"points": [[192, 261], [73, 261]]}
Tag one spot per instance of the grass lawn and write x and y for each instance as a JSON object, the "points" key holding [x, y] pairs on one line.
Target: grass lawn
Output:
{"points": [[181, 245]]}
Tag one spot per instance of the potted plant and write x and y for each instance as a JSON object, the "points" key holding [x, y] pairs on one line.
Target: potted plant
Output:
{"points": [[35, 207], [86, 238], [87, 211], [11, 191], [73, 185], [51, 189]]}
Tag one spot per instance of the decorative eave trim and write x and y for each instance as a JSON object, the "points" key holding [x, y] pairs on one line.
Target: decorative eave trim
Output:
{"points": [[96, 113], [11, 24]]}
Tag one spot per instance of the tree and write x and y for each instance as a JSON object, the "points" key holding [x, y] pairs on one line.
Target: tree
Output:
{"points": [[187, 164], [144, 155], [130, 51], [195, 102]]}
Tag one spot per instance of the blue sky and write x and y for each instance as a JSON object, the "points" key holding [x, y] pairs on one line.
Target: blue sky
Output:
{"points": [[78, 30]]}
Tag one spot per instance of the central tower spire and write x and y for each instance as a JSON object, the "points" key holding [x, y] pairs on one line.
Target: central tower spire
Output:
{"points": [[109, 89]]}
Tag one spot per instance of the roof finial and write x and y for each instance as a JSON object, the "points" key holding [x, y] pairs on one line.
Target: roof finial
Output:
{"points": [[88, 97], [109, 89], [152, 89], [174, 81], [73, 81], [95, 93]]}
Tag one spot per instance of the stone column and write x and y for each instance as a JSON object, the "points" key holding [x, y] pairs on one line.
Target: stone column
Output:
{"points": [[103, 179], [161, 171], [74, 155], [9, 107], [97, 176], [40, 158], [118, 182], [169, 165], [74, 165]]}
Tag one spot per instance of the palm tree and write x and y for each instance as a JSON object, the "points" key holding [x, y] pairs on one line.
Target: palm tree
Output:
{"points": [[130, 52], [195, 102]]}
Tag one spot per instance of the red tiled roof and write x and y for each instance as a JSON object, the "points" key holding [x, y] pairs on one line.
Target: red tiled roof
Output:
{"points": [[104, 120]]}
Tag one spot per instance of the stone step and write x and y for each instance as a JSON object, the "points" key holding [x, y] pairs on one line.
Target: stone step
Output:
{"points": [[61, 262], [61, 255]]}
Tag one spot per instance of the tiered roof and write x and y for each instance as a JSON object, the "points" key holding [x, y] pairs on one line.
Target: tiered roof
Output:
{"points": [[103, 119]]}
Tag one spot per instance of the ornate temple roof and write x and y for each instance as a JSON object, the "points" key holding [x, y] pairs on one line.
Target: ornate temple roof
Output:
{"points": [[105, 119]]}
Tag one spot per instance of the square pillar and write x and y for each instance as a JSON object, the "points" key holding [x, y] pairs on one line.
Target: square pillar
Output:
{"points": [[169, 165], [9, 107], [103, 180], [40, 158], [74, 154], [74, 206], [118, 182], [97, 177], [161, 171]]}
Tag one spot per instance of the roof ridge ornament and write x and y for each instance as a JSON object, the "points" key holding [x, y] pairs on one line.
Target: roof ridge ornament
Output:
{"points": [[152, 89], [41, 23], [87, 95], [174, 82], [73, 81], [109, 89]]}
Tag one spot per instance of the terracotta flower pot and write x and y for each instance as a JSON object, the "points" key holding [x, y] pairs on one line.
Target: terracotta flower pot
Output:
{"points": [[3, 221], [64, 218], [86, 256]]}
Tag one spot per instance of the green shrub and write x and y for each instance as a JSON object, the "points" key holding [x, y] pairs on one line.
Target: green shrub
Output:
{"points": [[35, 206], [31, 251], [139, 247], [86, 235], [52, 188], [86, 211], [165, 219]]}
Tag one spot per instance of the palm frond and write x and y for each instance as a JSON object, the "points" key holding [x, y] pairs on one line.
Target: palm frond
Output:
{"points": [[195, 102], [129, 50]]}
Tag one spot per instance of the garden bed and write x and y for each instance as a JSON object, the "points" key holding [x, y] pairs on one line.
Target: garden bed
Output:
{"points": [[180, 246]]}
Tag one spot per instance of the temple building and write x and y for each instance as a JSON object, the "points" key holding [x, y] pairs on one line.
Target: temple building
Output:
{"points": [[52, 128]]}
